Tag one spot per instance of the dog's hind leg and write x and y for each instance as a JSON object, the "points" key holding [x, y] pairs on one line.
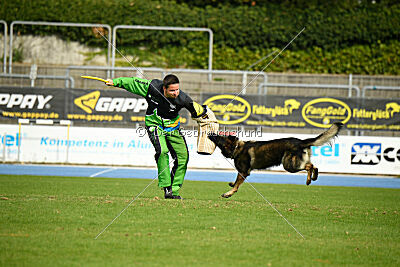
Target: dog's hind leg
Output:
{"points": [[239, 180], [314, 176]]}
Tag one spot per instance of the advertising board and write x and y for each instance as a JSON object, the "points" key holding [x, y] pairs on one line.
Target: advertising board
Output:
{"points": [[132, 147]]}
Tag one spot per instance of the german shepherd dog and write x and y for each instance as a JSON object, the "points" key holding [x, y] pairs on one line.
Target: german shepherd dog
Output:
{"points": [[294, 154]]}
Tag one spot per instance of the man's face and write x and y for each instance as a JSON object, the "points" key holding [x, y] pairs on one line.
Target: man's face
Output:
{"points": [[172, 91]]}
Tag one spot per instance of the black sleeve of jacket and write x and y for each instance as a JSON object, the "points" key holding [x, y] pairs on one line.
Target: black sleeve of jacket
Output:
{"points": [[188, 104]]}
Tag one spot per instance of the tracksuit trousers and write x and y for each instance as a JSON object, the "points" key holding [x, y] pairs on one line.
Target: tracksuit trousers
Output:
{"points": [[172, 142]]}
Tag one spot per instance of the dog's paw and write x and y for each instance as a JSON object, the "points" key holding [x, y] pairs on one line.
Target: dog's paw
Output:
{"points": [[315, 174], [308, 182], [231, 184], [226, 195]]}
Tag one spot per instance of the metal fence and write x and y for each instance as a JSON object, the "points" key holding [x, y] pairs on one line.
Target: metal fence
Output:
{"points": [[162, 28], [374, 87], [349, 88], [70, 82], [193, 80], [5, 46], [222, 81]]}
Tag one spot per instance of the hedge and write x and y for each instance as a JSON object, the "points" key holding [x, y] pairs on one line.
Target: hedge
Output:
{"points": [[333, 25], [348, 36], [372, 59]]}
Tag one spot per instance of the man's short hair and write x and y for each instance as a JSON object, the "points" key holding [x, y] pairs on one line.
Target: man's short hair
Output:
{"points": [[170, 79]]}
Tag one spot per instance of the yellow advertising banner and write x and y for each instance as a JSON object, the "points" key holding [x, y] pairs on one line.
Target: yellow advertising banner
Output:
{"points": [[302, 111]]}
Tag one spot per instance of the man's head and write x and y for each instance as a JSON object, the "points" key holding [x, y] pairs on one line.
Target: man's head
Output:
{"points": [[171, 86]]}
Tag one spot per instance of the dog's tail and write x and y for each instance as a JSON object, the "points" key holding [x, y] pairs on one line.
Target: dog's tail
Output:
{"points": [[325, 137]]}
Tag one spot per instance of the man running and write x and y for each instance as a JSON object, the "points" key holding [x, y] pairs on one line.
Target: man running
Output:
{"points": [[165, 100]]}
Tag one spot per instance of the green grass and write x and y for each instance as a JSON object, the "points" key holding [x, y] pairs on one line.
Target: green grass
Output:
{"points": [[52, 221]]}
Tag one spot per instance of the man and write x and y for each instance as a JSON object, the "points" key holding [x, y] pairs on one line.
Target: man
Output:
{"points": [[165, 100]]}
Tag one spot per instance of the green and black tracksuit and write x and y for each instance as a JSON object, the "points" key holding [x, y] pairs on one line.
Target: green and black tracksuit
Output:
{"points": [[162, 124]]}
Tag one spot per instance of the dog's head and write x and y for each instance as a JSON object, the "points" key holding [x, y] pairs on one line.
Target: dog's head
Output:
{"points": [[227, 144]]}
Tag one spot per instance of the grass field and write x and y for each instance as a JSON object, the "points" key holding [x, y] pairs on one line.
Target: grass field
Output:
{"points": [[52, 221]]}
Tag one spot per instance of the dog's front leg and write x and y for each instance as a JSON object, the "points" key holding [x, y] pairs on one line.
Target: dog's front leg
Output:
{"points": [[309, 168], [239, 180]]}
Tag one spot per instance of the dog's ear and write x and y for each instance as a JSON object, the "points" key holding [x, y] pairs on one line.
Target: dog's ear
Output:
{"points": [[232, 138]]}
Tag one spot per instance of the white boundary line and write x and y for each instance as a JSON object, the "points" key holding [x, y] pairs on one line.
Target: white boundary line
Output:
{"points": [[104, 171]]}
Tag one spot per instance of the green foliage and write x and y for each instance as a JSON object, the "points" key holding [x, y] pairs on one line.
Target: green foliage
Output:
{"points": [[340, 36], [52, 221], [329, 24], [18, 54], [372, 59]]}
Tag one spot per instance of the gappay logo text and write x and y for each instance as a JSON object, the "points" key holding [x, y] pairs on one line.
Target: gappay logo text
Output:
{"points": [[94, 102]]}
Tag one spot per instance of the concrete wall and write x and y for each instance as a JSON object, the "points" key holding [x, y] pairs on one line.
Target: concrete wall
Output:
{"points": [[53, 50]]}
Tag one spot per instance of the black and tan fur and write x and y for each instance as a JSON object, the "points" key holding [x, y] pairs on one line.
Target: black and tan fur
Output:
{"points": [[294, 154]]}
